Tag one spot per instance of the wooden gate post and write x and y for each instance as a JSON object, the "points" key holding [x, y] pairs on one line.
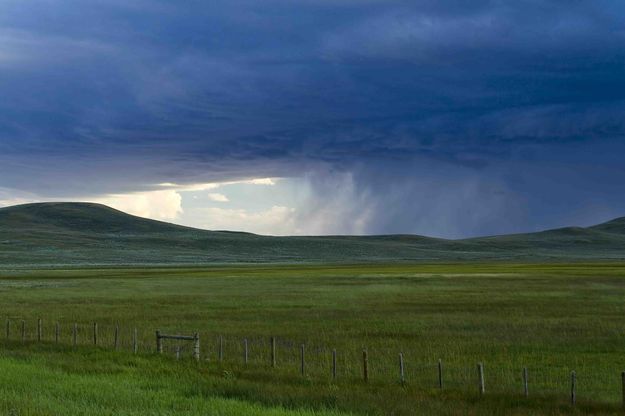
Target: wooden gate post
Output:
{"points": [[39, 330], [196, 346], [95, 333], [195, 338], [159, 342]]}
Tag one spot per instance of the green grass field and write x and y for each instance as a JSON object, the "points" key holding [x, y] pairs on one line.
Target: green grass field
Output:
{"points": [[551, 319]]}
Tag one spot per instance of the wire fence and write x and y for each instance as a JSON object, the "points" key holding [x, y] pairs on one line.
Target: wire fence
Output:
{"points": [[315, 361]]}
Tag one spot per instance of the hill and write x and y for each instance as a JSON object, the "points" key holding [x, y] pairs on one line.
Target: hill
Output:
{"points": [[91, 234]]}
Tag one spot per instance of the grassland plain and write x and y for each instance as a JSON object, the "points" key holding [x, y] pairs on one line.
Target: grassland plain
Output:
{"points": [[550, 318]]}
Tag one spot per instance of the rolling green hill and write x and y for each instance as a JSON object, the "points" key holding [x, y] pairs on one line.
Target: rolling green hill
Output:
{"points": [[51, 234]]}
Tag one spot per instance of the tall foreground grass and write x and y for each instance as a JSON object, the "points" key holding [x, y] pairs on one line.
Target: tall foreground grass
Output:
{"points": [[56, 382], [551, 319]]}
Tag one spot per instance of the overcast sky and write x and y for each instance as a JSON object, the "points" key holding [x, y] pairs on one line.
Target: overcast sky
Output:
{"points": [[447, 118]]}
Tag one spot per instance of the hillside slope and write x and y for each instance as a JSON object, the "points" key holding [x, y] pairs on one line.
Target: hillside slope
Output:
{"points": [[84, 234]]}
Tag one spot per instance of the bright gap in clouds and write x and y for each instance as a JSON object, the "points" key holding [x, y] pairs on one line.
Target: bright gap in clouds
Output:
{"points": [[261, 205]]}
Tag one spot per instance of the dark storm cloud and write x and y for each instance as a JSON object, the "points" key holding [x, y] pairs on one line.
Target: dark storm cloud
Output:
{"points": [[475, 99]]}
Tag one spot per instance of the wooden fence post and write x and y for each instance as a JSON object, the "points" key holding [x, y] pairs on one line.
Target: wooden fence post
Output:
{"points": [[95, 333], [623, 387], [526, 390], [303, 360], [221, 348], [273, 351], [116, 342], [135, 346], [402, 378], [57, 332], [177, 352], [480, 372], [334, 364], [75, 334], [245, 351], [159, 342], [365, 365], [196, 346], [573, 388], [440, 374], [39, 330], [8, 328], [23, 331]]}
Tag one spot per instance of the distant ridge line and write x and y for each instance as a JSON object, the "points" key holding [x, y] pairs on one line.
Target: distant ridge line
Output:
{"points": [[69, 233]]}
